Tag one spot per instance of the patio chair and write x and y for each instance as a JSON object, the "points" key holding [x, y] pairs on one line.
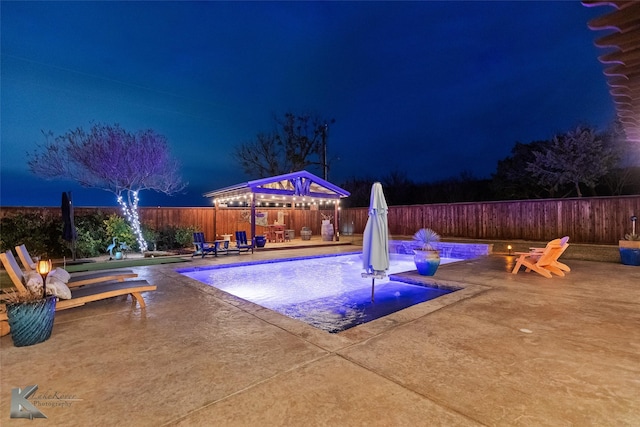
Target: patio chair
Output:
{"points": [[78, 279], [241, 242], [203, 247], [564, 243], [79, 296], [543, 262]]}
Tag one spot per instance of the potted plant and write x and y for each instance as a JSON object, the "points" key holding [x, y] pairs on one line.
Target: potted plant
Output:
{"points": [[31, 313], [426, 257], [630, 246]]}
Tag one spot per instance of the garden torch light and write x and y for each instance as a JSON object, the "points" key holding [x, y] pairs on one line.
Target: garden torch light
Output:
{"points": [[44, 267]]}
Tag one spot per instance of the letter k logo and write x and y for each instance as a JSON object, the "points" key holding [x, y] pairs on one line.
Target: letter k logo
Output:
{"points": [[21, 407]]}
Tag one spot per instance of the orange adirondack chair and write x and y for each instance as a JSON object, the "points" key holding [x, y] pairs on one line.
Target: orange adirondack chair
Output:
{"points": [[544, 261]]}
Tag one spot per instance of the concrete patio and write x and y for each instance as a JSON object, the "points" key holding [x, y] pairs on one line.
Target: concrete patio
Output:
{"points": [[507, 350]]}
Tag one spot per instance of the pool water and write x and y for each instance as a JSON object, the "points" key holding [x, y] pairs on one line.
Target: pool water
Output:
{"points": [[326, 292]]}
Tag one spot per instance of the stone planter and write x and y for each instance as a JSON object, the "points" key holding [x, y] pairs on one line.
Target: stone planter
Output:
{"points": [[629, 252]]}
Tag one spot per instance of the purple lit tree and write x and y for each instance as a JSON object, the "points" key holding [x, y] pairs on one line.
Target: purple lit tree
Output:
{"points": [[112, 159]]}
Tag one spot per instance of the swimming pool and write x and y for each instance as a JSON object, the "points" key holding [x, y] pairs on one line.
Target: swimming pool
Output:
{"points": [[326, 292]]}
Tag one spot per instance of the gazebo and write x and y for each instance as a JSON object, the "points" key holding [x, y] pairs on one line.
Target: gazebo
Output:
{"points": [[301, 190]]}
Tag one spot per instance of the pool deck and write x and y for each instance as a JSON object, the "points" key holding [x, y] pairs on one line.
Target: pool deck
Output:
{"points": [[507, 350]]}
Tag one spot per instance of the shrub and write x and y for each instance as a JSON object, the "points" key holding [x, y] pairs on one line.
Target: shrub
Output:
{"points": [[184, 236], [92, 235], [151, 237], [118, 228], [170, 237], [41, 234]]}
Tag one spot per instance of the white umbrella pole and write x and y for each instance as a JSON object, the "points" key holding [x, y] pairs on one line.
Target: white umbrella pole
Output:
{"points": [[373, 282]]}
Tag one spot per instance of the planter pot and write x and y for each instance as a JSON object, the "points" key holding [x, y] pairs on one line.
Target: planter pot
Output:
{"points": [[118, 255], [31, 322], [327, 232], [629, 252], [427, 261], [261, 241]]}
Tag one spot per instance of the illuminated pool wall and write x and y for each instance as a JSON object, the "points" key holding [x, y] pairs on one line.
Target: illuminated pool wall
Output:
{"points": [[446, 249]]}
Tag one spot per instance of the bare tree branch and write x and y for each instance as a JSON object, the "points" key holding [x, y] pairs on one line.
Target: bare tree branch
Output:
{"points": [[295, 145]]}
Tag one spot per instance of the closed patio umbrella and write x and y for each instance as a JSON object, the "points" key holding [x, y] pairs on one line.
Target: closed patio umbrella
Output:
{"points": [[375, 243], [69, 229]]}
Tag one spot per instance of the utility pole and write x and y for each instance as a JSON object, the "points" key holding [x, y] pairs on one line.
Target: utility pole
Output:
{"points": [[325, 168]]}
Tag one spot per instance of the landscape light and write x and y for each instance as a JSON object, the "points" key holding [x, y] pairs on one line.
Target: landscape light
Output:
{"points": [[44, 267]]}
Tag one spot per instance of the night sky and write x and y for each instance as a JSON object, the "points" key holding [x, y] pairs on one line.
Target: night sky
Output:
{"points": [[429, 88]]}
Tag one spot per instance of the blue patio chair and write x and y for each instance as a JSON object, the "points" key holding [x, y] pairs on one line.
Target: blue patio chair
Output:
{"points": [[241, 242], [202, 246]]}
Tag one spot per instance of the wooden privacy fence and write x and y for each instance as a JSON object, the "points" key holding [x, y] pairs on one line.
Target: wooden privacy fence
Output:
{"points": [[600, 220], [205, 219]]}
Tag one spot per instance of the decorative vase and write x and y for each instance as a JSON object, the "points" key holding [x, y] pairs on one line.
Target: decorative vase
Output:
{"points": [[427, 261], [31, 322], [629, 252]]}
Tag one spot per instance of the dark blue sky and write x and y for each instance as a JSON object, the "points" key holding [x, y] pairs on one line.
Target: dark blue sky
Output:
{"points": [[429, 88]]}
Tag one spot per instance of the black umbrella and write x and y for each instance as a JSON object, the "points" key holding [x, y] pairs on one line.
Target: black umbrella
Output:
{"points": [[69, 229]]}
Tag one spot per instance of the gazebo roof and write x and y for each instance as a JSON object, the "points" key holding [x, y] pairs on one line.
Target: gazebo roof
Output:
{"points": [[287, 186]]}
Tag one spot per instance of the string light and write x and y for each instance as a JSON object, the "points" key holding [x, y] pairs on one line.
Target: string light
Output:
{"points": [[131, 214]]}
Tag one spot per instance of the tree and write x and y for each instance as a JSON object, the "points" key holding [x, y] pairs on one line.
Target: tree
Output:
{"points": [[297, 142], [511, 179], [398, 188], [360, 189], [579, 156], [112, 159]]}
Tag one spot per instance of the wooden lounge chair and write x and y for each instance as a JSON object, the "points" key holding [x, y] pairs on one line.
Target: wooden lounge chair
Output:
{"points": [[79, 296], [543, 262], [564, 244], [78, 279], [241, 242]]}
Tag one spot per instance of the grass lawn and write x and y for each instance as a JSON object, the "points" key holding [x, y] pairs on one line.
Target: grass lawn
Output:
{"points": [[125, 263]]}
